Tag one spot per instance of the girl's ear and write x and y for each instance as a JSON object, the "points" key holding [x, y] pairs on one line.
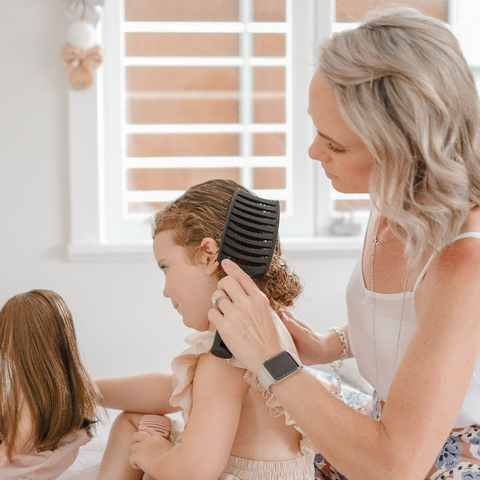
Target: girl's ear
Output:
{"points": [[209, 252]]}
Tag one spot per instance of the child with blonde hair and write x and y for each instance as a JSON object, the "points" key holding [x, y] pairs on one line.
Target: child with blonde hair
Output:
{"points": [[47, 400], [234, 428]]}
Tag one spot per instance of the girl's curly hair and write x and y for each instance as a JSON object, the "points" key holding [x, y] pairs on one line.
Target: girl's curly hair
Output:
{"points": [[201, 212]]}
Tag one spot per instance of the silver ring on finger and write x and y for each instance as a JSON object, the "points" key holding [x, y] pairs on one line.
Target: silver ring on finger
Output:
{"points": [[216, 301]]}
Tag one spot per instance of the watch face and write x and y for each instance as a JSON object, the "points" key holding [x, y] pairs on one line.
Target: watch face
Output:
{"points": [[281, 365]]}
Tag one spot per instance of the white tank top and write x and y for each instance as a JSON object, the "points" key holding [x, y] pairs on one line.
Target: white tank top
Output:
{"points": [[387, 313]]}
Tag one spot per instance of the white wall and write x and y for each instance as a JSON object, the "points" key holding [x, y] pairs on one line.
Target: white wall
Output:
{"points": [[124, 324]]}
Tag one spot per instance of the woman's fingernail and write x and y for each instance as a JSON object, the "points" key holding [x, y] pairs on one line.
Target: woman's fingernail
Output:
{"points": [[226, 262]]}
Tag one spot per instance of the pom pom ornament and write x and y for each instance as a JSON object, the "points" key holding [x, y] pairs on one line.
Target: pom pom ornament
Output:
{"points": [[81, 56], [81, 34]]}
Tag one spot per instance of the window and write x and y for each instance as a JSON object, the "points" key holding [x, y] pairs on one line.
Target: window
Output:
{"points": [[206, 91], [207, 95], [217, 88]]}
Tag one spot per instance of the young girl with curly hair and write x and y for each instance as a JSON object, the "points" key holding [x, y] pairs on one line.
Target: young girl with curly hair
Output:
{"points": [[47, 400], [235, 429]]}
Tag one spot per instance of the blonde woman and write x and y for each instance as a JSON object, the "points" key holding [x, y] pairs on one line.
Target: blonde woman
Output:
{"points": [[47, 407], [397, 116]]}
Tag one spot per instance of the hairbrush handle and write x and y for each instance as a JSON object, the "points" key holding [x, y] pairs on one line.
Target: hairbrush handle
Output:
{"points": [[219, 349]]}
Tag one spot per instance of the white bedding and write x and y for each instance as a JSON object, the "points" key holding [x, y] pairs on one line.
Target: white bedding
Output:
{"points": [[88, 461]]}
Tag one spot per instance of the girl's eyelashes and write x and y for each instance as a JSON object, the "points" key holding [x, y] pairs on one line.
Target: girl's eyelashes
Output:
{"points": [[333, 149], [163, 268]]}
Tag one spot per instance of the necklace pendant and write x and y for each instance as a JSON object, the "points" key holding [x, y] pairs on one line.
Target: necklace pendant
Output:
{"points": [[339, 387], [377, 242], [376, 406]]}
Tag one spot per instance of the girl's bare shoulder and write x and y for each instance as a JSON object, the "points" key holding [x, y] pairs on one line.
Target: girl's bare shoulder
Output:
{"points": [[217, 373]]}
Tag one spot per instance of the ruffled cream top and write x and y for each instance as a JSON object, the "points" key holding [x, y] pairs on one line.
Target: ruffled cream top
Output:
{"points": [[185, 364], [30, 464]]}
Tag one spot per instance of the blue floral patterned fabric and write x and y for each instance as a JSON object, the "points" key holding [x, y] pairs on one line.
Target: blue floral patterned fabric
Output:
{"points": [[459, 458]]}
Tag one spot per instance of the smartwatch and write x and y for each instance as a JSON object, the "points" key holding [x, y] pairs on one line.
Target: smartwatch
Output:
{"points": [[278, 368]]}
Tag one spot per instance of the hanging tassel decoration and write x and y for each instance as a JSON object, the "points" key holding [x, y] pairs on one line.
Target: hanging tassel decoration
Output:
{"points": [[81, 56]]}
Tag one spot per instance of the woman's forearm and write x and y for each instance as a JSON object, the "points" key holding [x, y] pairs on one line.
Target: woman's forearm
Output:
{"points": [[338, 429], [331, 346], [314, 348]]}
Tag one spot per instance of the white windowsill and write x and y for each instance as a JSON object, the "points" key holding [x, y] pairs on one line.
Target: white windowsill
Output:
{"points": [[317, 247]]}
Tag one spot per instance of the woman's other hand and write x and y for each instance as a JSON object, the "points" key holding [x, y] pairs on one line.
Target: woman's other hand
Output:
{"points": [[310, 345]]}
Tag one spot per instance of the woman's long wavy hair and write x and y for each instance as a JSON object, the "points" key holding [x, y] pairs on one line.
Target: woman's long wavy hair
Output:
{"points": [[403, 86], [40, 365], [201, 212]]}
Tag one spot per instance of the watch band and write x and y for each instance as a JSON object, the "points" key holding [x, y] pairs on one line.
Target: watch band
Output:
{"points": [[265, 379], [278, 368]]}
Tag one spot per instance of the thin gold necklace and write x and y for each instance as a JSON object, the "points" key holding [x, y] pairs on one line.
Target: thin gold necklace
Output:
{"points": [[376, 399]]}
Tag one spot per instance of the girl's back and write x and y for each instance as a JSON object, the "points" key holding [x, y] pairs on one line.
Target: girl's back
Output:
{"points": [[262, 436], [262, 431]]}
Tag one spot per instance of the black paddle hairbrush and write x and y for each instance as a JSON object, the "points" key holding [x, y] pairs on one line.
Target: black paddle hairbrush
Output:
{"points": [[248, 239]]}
